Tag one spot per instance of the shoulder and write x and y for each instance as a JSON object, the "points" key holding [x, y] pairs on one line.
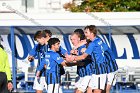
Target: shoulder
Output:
{"points": [[52, 53], [83, 46], [93, 43], [38, 46], [98, 41]]}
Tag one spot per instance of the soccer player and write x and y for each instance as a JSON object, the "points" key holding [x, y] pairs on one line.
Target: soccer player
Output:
{"points": [[39, 50], [52, 61], [96, 49], [112, 68], [86, 70]]}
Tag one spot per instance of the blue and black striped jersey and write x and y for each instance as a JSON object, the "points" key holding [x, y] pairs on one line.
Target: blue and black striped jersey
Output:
{"points": [[96, 49], [52, 61], [110, 60], [39, 52], [87, 68]]}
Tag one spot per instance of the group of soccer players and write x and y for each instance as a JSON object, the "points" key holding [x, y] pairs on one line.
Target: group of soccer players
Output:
{"points": [[96, 65]]}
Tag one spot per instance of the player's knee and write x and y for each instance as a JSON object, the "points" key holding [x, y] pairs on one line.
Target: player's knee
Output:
{"points": [[97, 91], [89, 90], [39, 91], [108, 87], [79, 91]]}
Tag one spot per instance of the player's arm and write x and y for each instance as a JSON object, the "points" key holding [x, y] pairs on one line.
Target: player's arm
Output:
{"points": [[88, 51], [65, 63], [63, 51], [61, 61], [32, 53], [76, 58], [81, 57], [74, 52], [75, 63], [40, 67]]}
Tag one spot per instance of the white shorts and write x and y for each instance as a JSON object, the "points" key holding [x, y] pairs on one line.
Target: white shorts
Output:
{"points": [[40, 84], [111, 78], [54, 88], [98, 81], [83, 83]]}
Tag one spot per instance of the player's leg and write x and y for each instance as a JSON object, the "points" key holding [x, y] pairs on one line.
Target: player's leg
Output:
{"points": [[84, 84], [60, 89], [78, 82], [89, 90], [90, 86], [111, 81], [43, 82], [38, 86], [53, 88], [98, 82]]}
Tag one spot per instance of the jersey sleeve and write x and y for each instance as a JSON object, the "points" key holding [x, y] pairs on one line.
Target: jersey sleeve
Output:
{"points": [[57, 58], [106, 47], [62, 50], [41, 66], [90, 48], [33, 52]]}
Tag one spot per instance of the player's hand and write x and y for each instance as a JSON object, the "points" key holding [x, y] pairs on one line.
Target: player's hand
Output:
{"points": [[74, 52], [45, 66], [83, 50], [67, 56], [30, 58], [38, 74], [10, 86], [70, 58]]}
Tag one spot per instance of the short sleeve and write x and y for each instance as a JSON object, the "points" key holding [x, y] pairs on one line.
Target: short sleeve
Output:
{"points": [[57, 58], [90, 48]]}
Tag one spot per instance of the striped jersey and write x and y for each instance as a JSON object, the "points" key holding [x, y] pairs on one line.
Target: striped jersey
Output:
{"points": [[96, 49], [52, 61], [87, 68], [110, 60], [39, 52]]}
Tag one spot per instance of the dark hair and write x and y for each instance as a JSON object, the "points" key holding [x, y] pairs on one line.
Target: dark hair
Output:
{"points": [[92, 29], [46, 31], [80, 33], [88, 41], [39, 34], [53, 41]]}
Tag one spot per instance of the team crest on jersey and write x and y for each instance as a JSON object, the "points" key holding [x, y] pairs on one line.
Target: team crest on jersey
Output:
{"points": [[49, 49], [100, 42], [58, 58]]}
